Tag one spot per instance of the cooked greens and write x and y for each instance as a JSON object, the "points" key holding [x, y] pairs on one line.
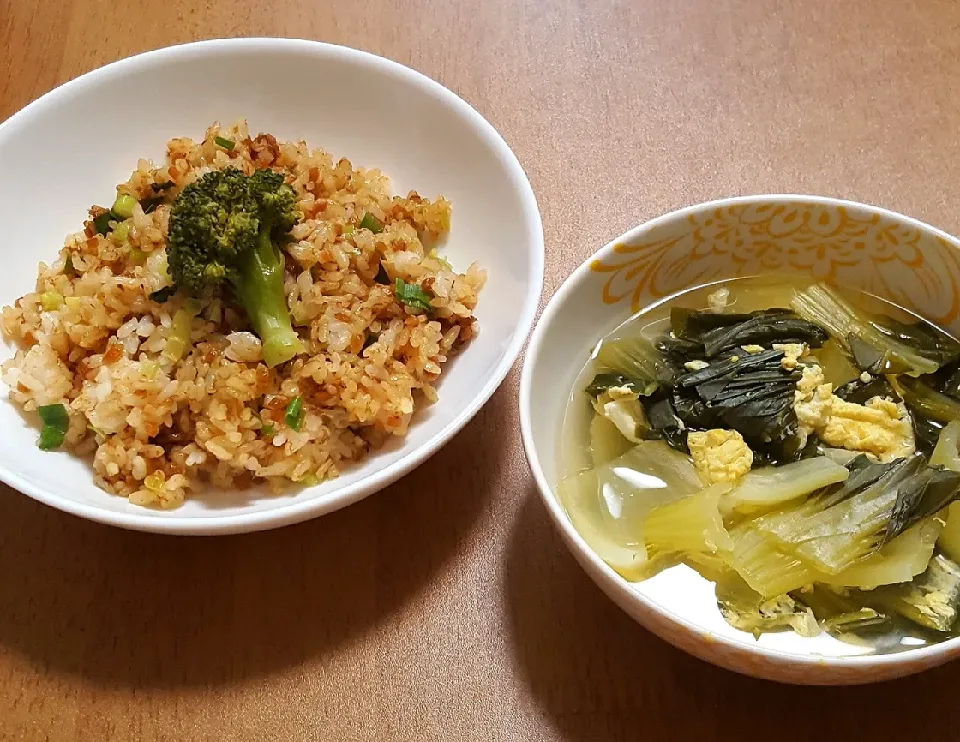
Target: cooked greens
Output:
{"points": [[806, 460], [719, 332], [878, 344]]}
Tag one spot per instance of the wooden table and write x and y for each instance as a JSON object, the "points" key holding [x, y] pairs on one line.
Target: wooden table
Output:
{"points": [[446, 607]]}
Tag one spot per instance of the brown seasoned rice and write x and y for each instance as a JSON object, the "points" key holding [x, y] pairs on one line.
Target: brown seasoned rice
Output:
{"points": [[157, 428]]}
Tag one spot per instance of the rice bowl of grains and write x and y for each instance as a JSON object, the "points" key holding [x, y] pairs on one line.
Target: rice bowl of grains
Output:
{"points": [[247, 329]]}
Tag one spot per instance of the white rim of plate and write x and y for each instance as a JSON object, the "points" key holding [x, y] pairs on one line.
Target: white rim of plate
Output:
{"points": [[621, 591], [298, 512]]}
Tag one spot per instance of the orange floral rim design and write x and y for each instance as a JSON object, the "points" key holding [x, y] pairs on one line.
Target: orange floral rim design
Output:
{"points": [[853, 247]]}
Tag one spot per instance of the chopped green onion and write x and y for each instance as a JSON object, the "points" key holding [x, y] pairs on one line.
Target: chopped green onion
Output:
{"points": [[149, 369], [309, 480], [268, 430], [227, 144], [178, 336], [440, 259], [136, 254], [121, 233], [371, 222], [295, 413], [411, 295], [347, 229], [55, 423], [161, 295], [51, 301], [123, 206], [149, 205], [101, 222]]}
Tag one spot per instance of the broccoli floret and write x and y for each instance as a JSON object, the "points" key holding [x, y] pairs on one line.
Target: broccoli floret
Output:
{"points": [[224, 231]]}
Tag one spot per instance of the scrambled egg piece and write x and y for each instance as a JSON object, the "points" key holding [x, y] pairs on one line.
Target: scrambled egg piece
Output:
{"points": [[621, 406], [880, 427], [695, 365], [792, 352], [719, 455], [719, 299], [752, 348]]}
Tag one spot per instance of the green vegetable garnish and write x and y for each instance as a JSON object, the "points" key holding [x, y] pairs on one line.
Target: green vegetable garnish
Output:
{"points": [[123, 206], [295, 413], [101, 222], [411, 295], [371, 222], [121, 233], [51, 301], [149, 205], [55, 423], [178, 335], [68, 269], [224, 236], [227, 144], [161, 295], [268, 430]]}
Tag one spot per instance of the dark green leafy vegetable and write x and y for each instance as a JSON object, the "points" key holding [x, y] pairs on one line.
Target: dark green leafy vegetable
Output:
{"points": [[752, 394], [371, 222], [861, 392], [411, 295], [947, 380], [878, 344], [227, 144], [925, 494], [295, 414], [761, 331], [55, 423], [101, 222], [719, 332], [149, 205], [663, 419], [604, 381], [679, 350], [691, 324], [926, 401]]}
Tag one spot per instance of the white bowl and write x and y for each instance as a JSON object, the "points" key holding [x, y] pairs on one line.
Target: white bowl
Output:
{"points": [[71, 147], [857, 246]]}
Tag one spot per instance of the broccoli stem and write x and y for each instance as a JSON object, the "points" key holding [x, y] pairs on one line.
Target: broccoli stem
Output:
{"points": [[260, 291]]}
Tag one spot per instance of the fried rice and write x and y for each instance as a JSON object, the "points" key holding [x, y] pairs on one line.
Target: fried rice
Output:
{"points": [[91, 338]]}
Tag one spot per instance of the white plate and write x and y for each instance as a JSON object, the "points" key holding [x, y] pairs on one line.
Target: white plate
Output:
{"points": [[71, 147]]}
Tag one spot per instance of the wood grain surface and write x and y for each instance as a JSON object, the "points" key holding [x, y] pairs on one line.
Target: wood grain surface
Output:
{"points": [[446, 608]]}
